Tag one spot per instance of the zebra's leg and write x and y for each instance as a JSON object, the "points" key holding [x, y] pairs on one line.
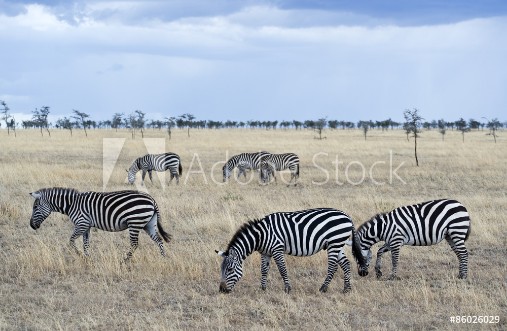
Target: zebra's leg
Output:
{"points": [[151, 177], [280, 263], [265, 264], [378, 263], [333, 258], [458, 247], [134, 242], [78, 231], [86, 242], [144, 175], [395, 256]]}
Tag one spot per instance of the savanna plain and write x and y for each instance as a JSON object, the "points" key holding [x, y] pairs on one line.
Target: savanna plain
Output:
{"points": [[46, 286]]}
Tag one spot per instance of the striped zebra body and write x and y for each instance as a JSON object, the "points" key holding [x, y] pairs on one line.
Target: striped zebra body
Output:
{"points": [[300, 233], [244, 162], [423, 224], [278, 162], [110, 211], [157, 162]]}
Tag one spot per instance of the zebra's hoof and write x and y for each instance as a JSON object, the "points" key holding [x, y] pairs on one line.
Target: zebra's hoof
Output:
{"points": [[347, 290], [263, 288], [393, 277], [378, 273], [323, 289], [287, 289], [462, 276]]}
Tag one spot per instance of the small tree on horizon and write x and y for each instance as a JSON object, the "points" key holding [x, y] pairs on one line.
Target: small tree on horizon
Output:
{"points": [[462, 126], [80, 118], [40, 119], [441, 128], [493, 126], [412, 125], [319, 126]]}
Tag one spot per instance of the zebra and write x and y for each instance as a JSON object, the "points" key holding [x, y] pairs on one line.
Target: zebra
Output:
{"points": [[422, 224], [298, 233], [110, 211], [278, 162], [157, 162], [243, 161]]}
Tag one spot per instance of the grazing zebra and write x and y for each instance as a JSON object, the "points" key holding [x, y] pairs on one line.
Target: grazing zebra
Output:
{"points": [[299, 233], [157, 162], [278, 162], [111, 211], [422, 224], [244, 161]]}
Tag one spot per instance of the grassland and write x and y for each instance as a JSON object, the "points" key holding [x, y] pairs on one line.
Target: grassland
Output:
{"points": [[46, 286]]}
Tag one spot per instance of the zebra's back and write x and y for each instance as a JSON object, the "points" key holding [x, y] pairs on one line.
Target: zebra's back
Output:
{"points": [[307, 232], [115, 211]]}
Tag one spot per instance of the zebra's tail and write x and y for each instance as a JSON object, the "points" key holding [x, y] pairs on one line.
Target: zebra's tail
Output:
{"points": [[469, 230], [356, 250], [180, 168], [166, 236]]}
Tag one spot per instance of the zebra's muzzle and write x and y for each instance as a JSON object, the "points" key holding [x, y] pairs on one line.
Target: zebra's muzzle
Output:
{"points": [[223, 288], [362, 272], [33, 226]]}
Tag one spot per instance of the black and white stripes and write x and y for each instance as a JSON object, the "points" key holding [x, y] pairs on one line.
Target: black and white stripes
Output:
{"points": [[244, 161], [157, 162], [277, 162], [112, 211], [300, 233], [421, 224]]}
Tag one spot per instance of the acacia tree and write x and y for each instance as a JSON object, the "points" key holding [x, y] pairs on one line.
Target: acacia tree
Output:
{"points": [[441, 128], [493, 126], [117, 121], [187, 120], [319, 126], [80, 118], [66, 123], [170, 122], [412, 125], [10, 122], [462, 126], [40, 119]]}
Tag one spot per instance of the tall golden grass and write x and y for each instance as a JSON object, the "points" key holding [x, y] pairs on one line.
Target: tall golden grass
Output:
{"points": [[45, 286]]}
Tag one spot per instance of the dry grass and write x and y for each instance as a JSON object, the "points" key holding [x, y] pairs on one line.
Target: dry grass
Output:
{"points": [[45, 286]]}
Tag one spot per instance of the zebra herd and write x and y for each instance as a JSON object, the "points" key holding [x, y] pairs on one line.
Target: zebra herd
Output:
{"points": [[297, 233]]}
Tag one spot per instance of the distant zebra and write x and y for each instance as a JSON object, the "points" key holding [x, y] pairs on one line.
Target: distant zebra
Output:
{"points": [[111, 211], [244, 161], [299, 233], [157, 162], [422, 224], [279, 162]]}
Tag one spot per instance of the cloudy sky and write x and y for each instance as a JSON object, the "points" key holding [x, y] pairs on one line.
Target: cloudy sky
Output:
{"points": [[256, 59]]}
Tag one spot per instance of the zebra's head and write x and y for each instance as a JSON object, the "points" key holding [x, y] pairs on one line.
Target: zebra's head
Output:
{"points": [[231, 270], [362, 270], [41, 210], [266, 171], [131, 175]]}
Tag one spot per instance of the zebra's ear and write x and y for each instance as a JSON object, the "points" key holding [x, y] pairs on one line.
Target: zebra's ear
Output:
{"points": [[223, 254], [35, 195], [126, 170], [348, 243]]}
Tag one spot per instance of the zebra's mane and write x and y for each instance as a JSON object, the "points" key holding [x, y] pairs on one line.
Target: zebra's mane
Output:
{"points": [[369, 222], [59, 190], [241, 230]]}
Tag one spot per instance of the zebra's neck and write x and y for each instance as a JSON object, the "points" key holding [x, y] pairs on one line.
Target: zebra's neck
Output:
{"points": [[247, 239], [61, 199], [372, 231], [232, 162]]}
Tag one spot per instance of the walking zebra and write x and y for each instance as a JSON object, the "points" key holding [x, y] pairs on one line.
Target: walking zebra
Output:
{"points": [[299, 233], [279, 162], [111, 211], [244, 161], [157, 162], [422, 224]]}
